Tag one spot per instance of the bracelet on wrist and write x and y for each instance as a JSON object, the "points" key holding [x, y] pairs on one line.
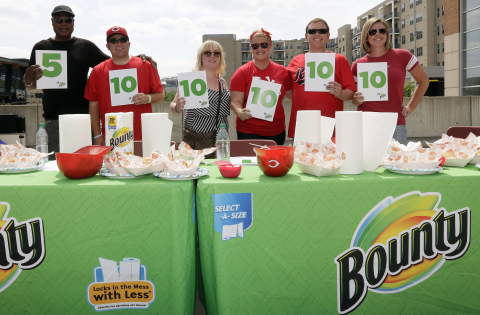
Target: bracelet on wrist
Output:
{"points": [[97, 136], [149, 99], [25, 83]]}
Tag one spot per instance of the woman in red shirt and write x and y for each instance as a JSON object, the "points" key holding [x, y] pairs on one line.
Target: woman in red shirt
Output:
{"points": [[260, 67], [376, 44]]}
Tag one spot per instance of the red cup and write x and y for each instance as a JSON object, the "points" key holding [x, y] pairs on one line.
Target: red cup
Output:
{"points": [[276, 160], [230, 170]]}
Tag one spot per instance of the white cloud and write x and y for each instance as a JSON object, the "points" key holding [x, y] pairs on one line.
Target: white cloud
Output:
{"points": [[14, 53]]}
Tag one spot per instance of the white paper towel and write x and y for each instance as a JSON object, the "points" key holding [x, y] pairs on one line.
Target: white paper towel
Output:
{"points": [[156, 132], [308, 127], [378, 129], [349, 139], [74, 131], [109, 270], [328, 124], [119, 131]]}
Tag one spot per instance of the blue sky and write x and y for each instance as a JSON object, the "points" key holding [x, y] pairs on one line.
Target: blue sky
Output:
{"points": [[170, 31]]}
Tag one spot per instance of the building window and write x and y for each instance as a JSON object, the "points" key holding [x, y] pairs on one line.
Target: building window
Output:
{"points": [[443, 63], [443, 12], [403, 39], [411, 4], [419, 16], [443, 47], [291, 46], [412, 37], [419, 34], [343, 48], [286, 56], [411, 51], [403, 23], [442, 29], [438, 15], [403, 7], [438, 49], [419, 51], [411, 20], [439, 64], [419, 2]]}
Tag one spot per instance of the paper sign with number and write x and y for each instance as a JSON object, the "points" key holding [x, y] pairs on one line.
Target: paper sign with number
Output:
{"points": [[193, 86], [319, 70], [123, 86], [263, 98], [372, 81], [54, 66]]}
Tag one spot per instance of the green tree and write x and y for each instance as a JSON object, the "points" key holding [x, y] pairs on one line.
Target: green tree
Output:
{"points": [[169, 96], [409, 89]]}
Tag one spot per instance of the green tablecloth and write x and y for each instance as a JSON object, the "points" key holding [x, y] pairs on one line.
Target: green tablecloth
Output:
{"points": [[147, 218], [286, 261]]}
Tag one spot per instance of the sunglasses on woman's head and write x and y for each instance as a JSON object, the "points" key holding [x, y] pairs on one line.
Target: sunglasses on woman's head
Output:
{"points": [[60, 20], [122, 40], [320, 31], [255, 46], [373, 32], [216, 54]]}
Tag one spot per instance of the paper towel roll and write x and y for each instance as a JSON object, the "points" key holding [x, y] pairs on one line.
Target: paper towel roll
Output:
{"points": [[378, 129], [74, 132], [308, 127], [328, 124], [349, 139], [119, 131], [156, 132]]}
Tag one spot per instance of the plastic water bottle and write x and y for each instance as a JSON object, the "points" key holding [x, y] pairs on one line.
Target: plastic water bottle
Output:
{"points": [[223, 144], [42, 142]]}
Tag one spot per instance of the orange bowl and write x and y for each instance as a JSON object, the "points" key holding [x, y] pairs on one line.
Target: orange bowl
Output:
{"points": [[275, 161], [230, 171], [85, 164]]}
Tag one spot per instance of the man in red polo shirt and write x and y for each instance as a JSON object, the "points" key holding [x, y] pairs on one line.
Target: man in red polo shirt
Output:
{"points": [[342, 89], [150, 89]]}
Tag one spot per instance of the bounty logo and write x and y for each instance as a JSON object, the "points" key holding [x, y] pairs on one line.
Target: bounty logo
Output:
{"points": [[22, 246], [267, 116], [202, 103], [401, 242], [60, 84], [121, 137], [120, 286], [382, 95]]}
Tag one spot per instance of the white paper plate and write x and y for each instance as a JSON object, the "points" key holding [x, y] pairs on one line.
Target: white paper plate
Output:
{"points": [[413, 172], [456, 162], [199, 173], [104, 172], [476, 159], [22, 169]]}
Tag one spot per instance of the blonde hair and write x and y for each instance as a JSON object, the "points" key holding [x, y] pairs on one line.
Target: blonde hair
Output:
{"points": [[261, 32], [315, 21], [366, 28], [199, 65]]}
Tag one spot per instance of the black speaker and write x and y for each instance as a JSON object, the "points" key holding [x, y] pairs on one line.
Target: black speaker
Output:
{"points": [[20, 124], [8, 123]]}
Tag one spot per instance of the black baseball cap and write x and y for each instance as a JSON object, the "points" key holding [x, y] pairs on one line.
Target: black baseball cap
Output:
{"points": [[63, 8]]}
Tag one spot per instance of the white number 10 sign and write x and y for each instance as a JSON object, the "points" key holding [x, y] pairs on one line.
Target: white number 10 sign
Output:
{"points": [[373, 81], [123, 86]]}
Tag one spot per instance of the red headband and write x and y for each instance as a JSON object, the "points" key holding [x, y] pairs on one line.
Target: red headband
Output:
{"points": [[262, 31]]}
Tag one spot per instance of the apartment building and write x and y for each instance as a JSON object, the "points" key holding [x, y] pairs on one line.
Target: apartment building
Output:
{"points": [[237, 51]]}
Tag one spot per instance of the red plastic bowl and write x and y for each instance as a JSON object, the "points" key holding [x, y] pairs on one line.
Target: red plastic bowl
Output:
{"points": [[83, 163], [230, 171], [275, 161]]}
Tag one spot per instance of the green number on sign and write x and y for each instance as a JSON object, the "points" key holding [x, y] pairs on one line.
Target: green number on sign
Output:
{"points": [[57, 68], [373, 79], [263, 97], [193, 87], [321, 66], [125, 88]]}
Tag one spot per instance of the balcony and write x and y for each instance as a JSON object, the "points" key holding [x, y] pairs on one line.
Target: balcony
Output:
{"points": [[394, 30], [279, 46], [246, 47], [389, 16]]}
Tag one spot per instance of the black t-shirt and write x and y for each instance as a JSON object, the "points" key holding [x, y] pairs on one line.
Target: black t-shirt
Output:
{"points": [[82, 54]]}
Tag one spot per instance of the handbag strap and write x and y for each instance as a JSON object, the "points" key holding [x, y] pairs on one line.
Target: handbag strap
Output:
{"points": [[219, 102]]}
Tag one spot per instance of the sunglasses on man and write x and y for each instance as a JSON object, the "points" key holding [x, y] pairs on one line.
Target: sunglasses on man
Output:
{"points": [[373, 31], [320, 31], [255, 46], [215, 54], [60, 20], [122, 40]]}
